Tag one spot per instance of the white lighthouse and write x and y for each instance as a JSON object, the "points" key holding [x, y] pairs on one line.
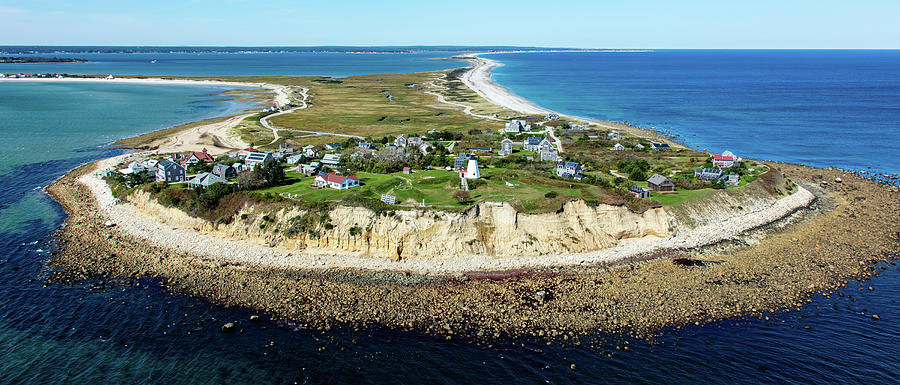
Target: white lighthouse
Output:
{"points": [[472, 170]]}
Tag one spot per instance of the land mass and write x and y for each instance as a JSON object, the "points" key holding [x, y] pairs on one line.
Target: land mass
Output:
{"points": [[37, 59], [526, 251]]}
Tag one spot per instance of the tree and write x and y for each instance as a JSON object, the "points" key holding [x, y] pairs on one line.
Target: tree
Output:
{"points": [[461, 196], [250, 180], [272, 173]]}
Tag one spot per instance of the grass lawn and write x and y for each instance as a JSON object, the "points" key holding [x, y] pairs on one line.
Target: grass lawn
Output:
{"points": [[679, 196]]}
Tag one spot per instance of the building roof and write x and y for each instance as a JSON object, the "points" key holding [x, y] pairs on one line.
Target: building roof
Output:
{"points": [[658, 179], [206, 179], [533, 140], [167, 164], [258, 156], [722, 157], [333, 177]]}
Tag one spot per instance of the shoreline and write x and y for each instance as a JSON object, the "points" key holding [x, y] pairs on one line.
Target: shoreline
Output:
{"points": [[640, 295]]}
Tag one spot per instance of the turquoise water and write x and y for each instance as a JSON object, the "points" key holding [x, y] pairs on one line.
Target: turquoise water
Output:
{"points": [[92, 333]]}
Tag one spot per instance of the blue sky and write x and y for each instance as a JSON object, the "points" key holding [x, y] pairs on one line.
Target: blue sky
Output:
{"points": [[583, 24]]}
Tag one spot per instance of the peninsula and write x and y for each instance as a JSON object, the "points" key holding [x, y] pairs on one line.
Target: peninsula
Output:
{"points": [[37, 59], [442, 202]]}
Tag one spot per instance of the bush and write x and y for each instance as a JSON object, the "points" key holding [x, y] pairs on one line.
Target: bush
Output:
{"points": [[461, 196], [551, 194]]}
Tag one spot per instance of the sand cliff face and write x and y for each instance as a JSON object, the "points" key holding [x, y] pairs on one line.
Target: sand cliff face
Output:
{"points": [[493, 229]]}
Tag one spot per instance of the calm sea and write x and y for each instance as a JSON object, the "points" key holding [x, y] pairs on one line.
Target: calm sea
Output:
{"points": [[113, 334]]}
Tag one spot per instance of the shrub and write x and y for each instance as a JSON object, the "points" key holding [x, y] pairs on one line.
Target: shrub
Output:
{"points": [[551, 194], [461, 196]]}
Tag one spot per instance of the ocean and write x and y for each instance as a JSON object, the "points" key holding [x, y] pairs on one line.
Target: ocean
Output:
{"points": [[96, 332]]}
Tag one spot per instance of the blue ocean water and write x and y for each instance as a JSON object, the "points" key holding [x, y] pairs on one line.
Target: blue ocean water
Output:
{"points": [[86, 333], [335, 64], [820, 108]]}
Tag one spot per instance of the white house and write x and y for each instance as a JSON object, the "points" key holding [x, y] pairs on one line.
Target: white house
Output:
{"points": [[516, 126], [335, 181], [551, 116], [723, 161], [506, 146], [311, 151], [614, 135], [331, 160], [294, 159], [619, 147], [401, 141]]}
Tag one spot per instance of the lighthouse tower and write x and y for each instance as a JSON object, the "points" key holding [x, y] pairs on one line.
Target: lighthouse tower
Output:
{"points": [[472, 170]]}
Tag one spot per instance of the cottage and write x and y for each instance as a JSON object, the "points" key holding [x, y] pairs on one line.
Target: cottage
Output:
{"points": [[415, 141], [332, 146], [284, 148], [407, 170], [480, 149], [401, 141], [731, 179], [425, 147], [639, 192], [258, 158], [134, 168], [660, 183], [638, 147], [506, 146], [568, 169], [335, 181], [613, 135], [169, 172], [549, 155], [224, 171], [239, 167], [309, 169], [723, 161], [204, 180], [545, 144], [461, 161], [197, 157], [532, 143], [707, 174], [389, 199], [331, 160], [618, 147], [294, 159], [659, 146], [516, 126], [551, 116]]}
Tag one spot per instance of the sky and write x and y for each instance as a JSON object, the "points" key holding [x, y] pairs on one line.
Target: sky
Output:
{"points": [[659, 24]]}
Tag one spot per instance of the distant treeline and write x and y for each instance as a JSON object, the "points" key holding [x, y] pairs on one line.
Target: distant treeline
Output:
{"points": [[35, 59]]}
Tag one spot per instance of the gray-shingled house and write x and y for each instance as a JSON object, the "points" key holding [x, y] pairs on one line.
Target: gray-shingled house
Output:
{"points": [[224, 171], [506, 146], [205, 179], [169, 172], [660, 183]]}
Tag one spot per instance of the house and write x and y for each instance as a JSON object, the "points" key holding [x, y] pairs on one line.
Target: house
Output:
{"points": [[532, 143], [506, 146], [567, 169], [257, 158], [549, 155], [224, 171], [284, 148], [331, 160], [638, 147], [401, 141], [204, 180], [389, 199], [238, 167], [366, 146], [134, 168], [731, 154], [639, 192], [169, 172], [516, 126], [332, 146], [659, 146], [545, 144], [481, 149], [197, 157], [414, 141], [309, 169], [660, 183], [551, 116], [294, 159], [407, 170], [613, 135], [471, 171], [619, 147], [731, 179], [707, 174], [461, 161], [575, 126], [723, 161], [425, 147], [335, 181], [311, 151]]}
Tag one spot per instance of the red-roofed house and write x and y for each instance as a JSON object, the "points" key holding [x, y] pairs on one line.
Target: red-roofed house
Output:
{"points": [[335, 181], [407, 170], [197, 157], [723, 161]]}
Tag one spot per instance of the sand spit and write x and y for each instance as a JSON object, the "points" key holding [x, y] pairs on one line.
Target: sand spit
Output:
{"points": [[818, 253]]}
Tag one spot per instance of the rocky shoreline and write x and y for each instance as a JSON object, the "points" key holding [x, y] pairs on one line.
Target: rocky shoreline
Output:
{"points": [[778, 269]]}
